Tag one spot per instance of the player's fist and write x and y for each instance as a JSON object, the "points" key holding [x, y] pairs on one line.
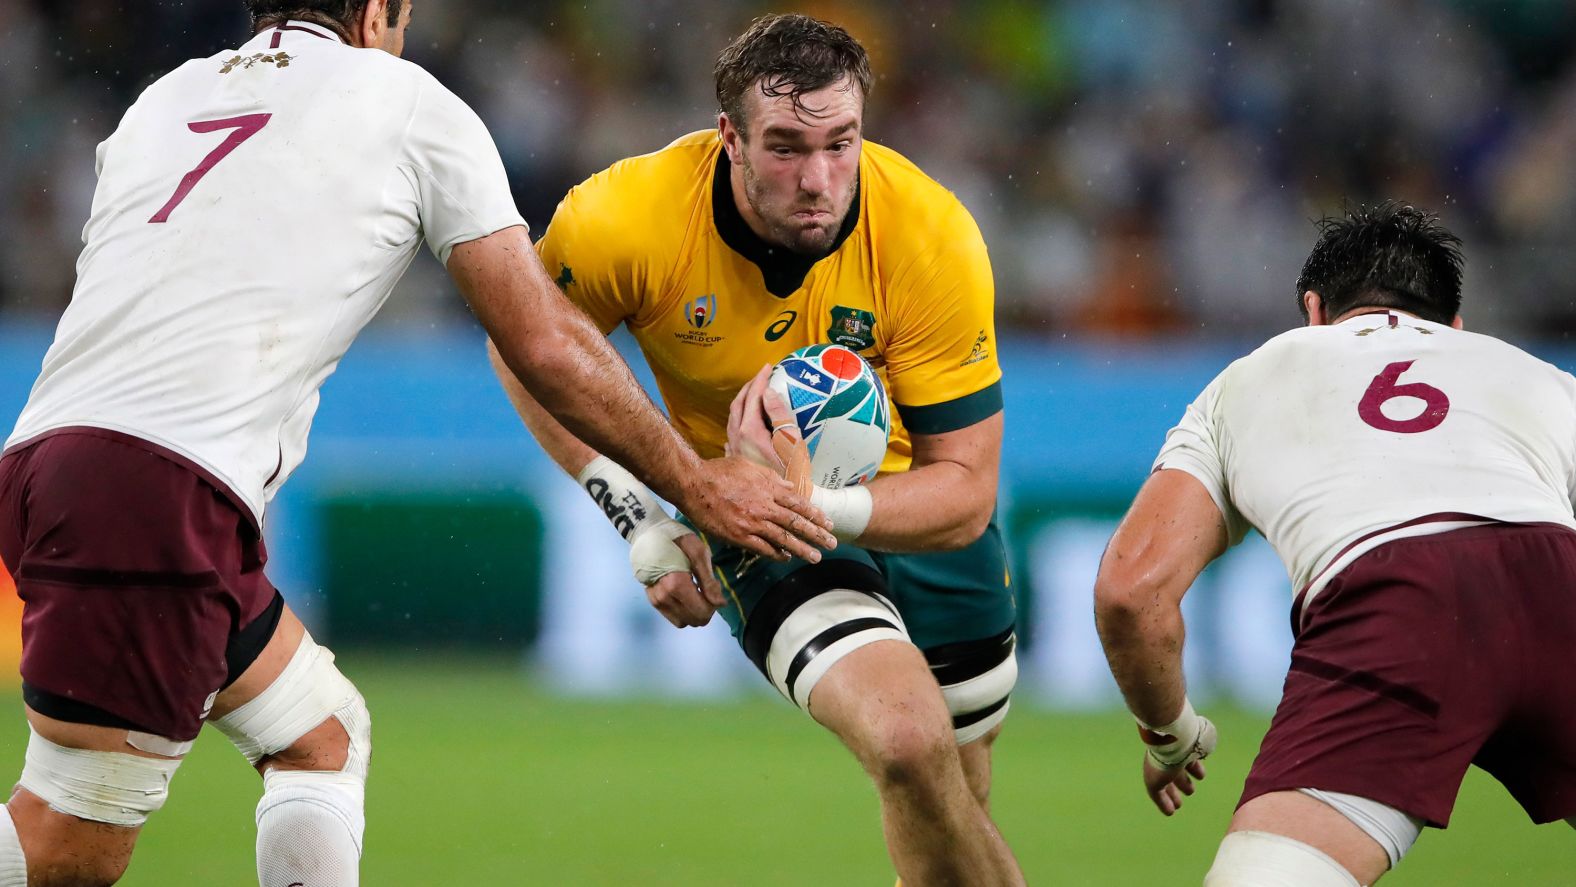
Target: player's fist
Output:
{"points": [[675, 566], [1174, 757]]}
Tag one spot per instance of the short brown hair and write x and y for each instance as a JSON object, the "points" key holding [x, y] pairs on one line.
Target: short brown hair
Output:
{"points": [[788, 55]]}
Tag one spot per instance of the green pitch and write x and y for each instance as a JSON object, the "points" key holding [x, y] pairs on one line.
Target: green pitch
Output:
{"points": [[479, 780]]}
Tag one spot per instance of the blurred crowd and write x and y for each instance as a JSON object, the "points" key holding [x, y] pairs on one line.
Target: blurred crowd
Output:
{"points": [[1139, 167]]}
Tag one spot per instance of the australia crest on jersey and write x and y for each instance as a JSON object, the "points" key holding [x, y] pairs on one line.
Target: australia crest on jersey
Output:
{"points": [[852, 328]]}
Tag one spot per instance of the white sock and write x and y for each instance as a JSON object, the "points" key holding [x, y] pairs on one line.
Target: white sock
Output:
{"points": [[309, 828], [13, 868]]}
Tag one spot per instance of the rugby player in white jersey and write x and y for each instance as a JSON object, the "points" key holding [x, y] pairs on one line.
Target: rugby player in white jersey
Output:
{"points": [[253, 211], [1417, 480]]}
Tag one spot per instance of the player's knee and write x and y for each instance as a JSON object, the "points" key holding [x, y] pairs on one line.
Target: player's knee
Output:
{"points": [[908, 752], [1262, 859], [310, 718], [55, 866]]}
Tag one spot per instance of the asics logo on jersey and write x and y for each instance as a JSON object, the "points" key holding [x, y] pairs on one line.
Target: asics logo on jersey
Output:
{"points": [[701, 311], [624, 512], [781, 325]]}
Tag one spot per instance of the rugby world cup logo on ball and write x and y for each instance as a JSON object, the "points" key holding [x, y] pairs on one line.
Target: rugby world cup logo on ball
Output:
{"points": [[841, 409]]}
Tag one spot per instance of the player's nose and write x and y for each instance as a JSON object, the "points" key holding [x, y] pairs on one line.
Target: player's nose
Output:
{"points": [[815, 176]]}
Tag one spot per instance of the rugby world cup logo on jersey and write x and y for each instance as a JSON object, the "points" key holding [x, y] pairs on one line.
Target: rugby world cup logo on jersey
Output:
{"points": [[699, 314], [701, 311]]}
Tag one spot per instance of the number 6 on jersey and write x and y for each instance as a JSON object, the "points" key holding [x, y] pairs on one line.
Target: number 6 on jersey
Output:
{"points": [[245, 126], [1384, 388]]}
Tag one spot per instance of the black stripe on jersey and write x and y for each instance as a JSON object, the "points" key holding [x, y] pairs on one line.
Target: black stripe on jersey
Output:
{"points": [[939, 418], [793, 590], [974, 717], [958, 662], [782, 270], [117, 578], [826, 639]]}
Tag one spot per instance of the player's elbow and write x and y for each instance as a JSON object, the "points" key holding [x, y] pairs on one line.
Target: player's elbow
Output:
{"points": [[1126, 593], [548, 367], [968, 529]]}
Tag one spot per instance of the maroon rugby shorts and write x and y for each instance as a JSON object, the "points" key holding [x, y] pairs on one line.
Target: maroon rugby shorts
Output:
{"points": [[135, 572], [1430, 654]]}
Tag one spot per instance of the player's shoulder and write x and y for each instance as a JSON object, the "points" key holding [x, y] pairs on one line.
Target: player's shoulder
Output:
{"points": [[649, 197], [661, 177], [896, 191], [1321, 349], [894, 183]]}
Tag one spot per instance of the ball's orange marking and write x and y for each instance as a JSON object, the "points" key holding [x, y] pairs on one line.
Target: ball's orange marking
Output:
{"points": [[841, 362]]}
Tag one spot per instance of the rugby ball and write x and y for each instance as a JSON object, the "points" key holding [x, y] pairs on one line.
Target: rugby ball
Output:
{"points": [[841, 409]]}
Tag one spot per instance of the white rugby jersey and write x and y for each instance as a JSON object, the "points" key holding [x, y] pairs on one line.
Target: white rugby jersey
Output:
{"points": [[253, 211], [1332, 440]]}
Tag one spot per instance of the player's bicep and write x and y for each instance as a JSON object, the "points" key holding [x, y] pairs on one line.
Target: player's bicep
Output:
{"points": [[1169, 535], [976, 447]]}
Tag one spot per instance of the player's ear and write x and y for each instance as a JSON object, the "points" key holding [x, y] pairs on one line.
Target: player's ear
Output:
{"points": [[373, 24], [1313, 304], [1455, 323], [732, 138]]}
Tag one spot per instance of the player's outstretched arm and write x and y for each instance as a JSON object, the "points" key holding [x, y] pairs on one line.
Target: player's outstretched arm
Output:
{"points": [[567, 366], [667, 557], [943, 502], [1171, 532]]}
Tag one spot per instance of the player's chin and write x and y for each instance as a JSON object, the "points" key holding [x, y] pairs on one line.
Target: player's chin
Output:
{"points": [[814, 240]]}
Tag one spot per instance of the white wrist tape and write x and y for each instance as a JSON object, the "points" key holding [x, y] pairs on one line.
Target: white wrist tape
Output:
{"points": [[652, 553], [848, 508], [624, 499], [1191, 737]]}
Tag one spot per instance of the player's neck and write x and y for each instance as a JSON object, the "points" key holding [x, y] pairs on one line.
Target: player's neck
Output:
{"points": [[310, 17]]}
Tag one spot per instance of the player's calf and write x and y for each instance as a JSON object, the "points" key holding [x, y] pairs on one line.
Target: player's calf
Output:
{"points": [[309, 733]]}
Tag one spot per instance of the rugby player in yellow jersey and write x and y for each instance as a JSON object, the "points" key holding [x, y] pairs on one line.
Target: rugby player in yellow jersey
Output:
{"points": [[722, 253]]}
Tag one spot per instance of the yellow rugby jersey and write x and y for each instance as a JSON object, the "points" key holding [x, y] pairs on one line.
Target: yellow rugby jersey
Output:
{"points": [[656, 242]]}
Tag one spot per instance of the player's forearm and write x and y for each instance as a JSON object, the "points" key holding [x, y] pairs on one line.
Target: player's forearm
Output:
{"points": [[565, 363], [943, 506], [1142, 632], [591, 396], [569, 452]]}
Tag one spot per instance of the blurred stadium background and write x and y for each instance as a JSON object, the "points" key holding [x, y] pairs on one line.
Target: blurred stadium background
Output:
{"points": [[1146, 174]]}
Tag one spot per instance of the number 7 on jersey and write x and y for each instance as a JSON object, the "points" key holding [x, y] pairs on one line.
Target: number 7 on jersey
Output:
{"points": [[245, 126]]}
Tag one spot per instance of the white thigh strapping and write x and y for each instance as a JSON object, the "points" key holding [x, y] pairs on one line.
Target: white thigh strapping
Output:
{"points": [[1395, 831], [1262, 859], [984, 693], [823, 630], [308, 692], [102, 786]]}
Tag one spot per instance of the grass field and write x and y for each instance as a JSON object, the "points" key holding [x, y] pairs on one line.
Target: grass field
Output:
{"points": [[479, 780]]}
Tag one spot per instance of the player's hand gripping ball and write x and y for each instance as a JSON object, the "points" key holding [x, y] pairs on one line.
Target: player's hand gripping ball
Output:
{"points": [[840, 407]]}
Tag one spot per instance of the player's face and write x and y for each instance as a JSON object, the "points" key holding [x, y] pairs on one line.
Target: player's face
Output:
{"points": [[801, 164]]}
